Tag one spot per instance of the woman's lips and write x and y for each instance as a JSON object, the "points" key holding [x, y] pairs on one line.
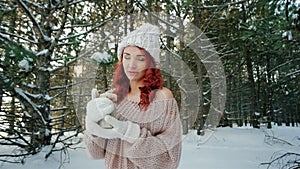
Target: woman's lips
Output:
{"points": [[132, 73]]}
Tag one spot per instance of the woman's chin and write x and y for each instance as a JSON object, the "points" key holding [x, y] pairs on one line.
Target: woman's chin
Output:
{"points": [[134, 78]]}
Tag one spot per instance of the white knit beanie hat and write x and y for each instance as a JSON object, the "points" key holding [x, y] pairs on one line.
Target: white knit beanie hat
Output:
{"points": [[146, 37]]}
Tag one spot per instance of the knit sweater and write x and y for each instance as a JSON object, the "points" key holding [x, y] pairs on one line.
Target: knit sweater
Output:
{"points": [[159, 144]]}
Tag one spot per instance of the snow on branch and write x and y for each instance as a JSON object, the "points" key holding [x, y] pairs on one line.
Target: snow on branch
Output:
{"points": [[34, 4], [284, 64], [8, 34], [223, 5], [7, 38], [33, 105], [293, 73]]}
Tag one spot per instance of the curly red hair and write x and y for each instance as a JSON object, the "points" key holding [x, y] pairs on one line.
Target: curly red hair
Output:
{"points": [[152, 81]]}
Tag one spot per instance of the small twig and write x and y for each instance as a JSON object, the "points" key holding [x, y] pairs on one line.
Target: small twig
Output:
{"points": [[271, 137], [285, 160]]}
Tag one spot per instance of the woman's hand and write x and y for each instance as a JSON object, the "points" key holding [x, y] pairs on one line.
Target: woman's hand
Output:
{"points": [[125, 130], [109, 95], [97, 108]]}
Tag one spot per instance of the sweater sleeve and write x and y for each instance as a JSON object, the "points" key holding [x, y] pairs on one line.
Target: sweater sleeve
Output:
{"points": [[158, 150], [95, 146]]}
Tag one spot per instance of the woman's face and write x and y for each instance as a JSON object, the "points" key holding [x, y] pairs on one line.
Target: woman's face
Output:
{"points": [[134, 63]]}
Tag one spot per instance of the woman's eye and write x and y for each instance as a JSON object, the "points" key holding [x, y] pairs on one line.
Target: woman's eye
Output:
{"points": [[126, 56], [141, 58]]}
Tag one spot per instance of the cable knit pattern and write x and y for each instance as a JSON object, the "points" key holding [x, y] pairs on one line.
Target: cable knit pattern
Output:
{"points": [[159, 144]]}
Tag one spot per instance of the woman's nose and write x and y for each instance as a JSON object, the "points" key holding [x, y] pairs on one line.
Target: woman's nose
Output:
{"points": [[132, 64]]}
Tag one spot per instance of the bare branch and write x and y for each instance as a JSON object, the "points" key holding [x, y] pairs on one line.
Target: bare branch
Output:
{"points": [[19, 37], [288, 160], [33, 20]]}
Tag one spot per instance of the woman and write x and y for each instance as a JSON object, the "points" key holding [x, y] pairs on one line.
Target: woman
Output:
{"points": [[146, 130]]}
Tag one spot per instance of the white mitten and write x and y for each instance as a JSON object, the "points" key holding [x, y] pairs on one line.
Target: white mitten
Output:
{"points": [[125, 130], [97, 108], [94, 128], [108, 94], [111, 96]]}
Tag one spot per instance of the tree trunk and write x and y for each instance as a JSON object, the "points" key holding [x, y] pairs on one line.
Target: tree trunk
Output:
{"points": [[43, 83], [253, 105], [200, 116], [43, 80], [269, 93]]}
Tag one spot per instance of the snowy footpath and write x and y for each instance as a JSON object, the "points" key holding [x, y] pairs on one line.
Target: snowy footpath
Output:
{"points": [[223, 148]]}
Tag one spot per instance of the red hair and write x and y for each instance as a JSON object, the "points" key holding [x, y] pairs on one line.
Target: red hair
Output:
{"points": [[152, 81]]}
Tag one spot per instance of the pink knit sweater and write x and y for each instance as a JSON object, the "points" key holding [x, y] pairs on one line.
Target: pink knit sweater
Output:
{"points": [[159, 145]]}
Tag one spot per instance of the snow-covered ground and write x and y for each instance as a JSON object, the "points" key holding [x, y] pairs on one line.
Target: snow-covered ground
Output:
{"points": [[224, 148]]}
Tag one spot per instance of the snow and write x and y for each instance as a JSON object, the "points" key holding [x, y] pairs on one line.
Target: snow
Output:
{"points": [[103, 57], [42, 52], [47, 97], [24, 65], [23, 95], [4, 35], [223, 148]]}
